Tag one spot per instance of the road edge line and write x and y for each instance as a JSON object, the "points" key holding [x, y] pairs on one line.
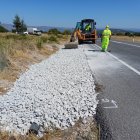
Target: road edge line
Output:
{"points": [[121, 61], [125, 43]]}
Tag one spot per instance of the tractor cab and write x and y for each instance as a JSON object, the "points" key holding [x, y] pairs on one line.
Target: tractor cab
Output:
{"points": [[87, 25], [78, 26]]}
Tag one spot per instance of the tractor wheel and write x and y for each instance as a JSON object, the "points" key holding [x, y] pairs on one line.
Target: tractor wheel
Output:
{"points": [[80, 41], [93, 41]]}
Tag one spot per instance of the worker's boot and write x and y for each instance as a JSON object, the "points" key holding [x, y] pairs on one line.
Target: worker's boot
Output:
{"points": [[103, 48]]}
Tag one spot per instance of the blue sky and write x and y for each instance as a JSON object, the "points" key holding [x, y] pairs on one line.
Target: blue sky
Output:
{"points": [[65, 13]]}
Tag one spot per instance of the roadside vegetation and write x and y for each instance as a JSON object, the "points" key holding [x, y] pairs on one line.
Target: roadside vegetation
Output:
{"points": [[18, 51], [126, 36], [131, 39]]}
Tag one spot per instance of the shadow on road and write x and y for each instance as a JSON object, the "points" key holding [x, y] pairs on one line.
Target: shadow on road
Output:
{"points": [[94, 50]]}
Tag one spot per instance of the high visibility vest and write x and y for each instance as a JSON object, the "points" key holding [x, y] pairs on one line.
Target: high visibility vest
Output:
{"points": [[106, 33], [88, 27]]}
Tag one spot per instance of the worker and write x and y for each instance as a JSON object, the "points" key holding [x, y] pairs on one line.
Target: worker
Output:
{"points": [[106, 35], [88, 27]]}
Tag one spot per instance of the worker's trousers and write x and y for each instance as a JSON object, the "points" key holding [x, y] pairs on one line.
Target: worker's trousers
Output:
{"points": [[105, 43]]}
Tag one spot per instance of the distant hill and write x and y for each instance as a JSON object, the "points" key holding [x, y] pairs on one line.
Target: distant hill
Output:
{"points": [[47, 28], [2, 29], [134, 29], [115, 31], [9, 27]]}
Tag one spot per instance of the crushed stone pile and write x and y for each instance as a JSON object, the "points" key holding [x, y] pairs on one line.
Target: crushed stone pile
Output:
{"points": [[56, 92]]}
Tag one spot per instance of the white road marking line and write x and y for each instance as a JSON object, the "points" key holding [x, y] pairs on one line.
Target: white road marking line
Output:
{"points": [[125, 43], [105, 101], [114, 105], [124, 63]]}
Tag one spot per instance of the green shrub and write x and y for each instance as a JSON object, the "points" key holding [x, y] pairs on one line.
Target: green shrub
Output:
{"points": [[39, 43], [67, 32], [22, 37], [4, 51], [119, 34], [10, 36], [53, 39], [137, 34], [44, 39], [54, 31], [59, 36], [16, 36]]}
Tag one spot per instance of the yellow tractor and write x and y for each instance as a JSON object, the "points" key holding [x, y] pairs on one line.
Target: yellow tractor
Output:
{"points": [[84, 31]]}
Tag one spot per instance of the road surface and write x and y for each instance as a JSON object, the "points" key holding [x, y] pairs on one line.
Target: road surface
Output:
{"points": [[118, 112]]}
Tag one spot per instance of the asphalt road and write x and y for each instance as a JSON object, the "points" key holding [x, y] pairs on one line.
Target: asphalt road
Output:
{"points": [[118, 71]]}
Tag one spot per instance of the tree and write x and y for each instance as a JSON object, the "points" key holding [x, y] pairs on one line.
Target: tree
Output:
{"points": [[23, 26], [54, 31], [67, 32], [119, 33], [127, 34], [137, 34], [19, 24]]}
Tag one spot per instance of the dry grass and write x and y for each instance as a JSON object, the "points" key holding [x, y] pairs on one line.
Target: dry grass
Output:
{"points": [[126, 38], [80, 131], [17, 52]]}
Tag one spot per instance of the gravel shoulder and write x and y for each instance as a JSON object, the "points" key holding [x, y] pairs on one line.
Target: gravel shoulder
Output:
{"points": [[54, 93]]}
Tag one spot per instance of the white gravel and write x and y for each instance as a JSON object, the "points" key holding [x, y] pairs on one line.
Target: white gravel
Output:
{"points": [[55, 92]]}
